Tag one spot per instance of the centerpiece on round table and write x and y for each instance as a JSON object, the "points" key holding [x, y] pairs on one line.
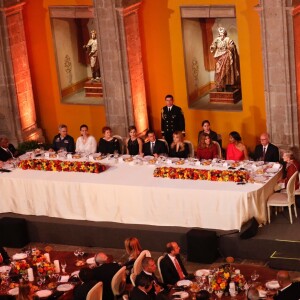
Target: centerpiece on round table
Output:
{"points": [[220, 280], [43, 267], [19, 267]]}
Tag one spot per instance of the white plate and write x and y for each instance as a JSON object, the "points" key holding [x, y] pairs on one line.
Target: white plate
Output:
{"points": [[272, 170], [43, 293], [262, 293], [182, 294], [174, 159], [14, 291], [65, 287], [90, 261], [260, 178], [184, 282], [126, 156], [272, 285], [18, 256], [202, 272], [4, 269], [148, 157]]}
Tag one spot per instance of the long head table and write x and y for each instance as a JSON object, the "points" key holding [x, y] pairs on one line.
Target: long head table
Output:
{"points": [[128, 193]]}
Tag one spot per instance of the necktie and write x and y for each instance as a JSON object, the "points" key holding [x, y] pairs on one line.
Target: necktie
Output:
{"points": [[169, 108], [152, 147], [264, 153], [178, 268]]}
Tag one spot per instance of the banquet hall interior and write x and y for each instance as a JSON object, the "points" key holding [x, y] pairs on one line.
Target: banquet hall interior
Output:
{"points": [[148, 49]]}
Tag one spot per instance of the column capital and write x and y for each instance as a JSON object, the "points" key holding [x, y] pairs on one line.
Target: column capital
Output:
{"points": [[11, 6], [127, 3]]}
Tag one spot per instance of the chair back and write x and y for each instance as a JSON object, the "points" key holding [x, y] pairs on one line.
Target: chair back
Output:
{"points": [[132, 278], [219, 148], [191, 148], [95, 292], [118, 282], [290, 188], [159, 269], [137, 266], [121, 142], [166, 143]]}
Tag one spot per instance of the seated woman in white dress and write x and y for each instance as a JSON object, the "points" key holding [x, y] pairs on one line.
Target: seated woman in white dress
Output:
{"points": [[86, 143]]}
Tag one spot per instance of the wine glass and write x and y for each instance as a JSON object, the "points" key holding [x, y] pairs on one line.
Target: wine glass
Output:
{"points": [[76, 253], [39, 282], [254, 276], [63, 266], [81, 253]]}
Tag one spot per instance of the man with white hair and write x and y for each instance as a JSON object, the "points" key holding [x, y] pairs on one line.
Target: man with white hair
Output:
{"points": [[105, 271], [266, 151]]}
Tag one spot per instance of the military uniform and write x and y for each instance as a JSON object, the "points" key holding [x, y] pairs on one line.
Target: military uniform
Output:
{"points": [[66, 142], [171, 121]]}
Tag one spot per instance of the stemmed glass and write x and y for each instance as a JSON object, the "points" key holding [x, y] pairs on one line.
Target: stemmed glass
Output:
{"points": [[254, 276], [76, 253], [41, 280], [81, 253], [63, 266]]}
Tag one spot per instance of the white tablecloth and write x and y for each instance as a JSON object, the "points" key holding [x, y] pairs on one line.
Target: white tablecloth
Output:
{"points": [[130, 194]]}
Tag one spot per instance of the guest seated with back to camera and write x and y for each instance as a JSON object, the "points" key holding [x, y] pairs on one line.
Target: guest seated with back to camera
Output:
{"points": [[291, 166], [288, 290], [105, 271], [63, 141], [266, 151], [86, 143], [171, 265], [206, 129], [153, 146], [87, 282], [133, 250], [108, 144], [134, 145], [7, 150], [206, 148], [236, 150], [178, 148]]}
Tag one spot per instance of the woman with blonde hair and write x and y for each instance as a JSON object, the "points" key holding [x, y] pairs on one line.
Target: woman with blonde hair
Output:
{"points": [[207, 149], [178, 148]]}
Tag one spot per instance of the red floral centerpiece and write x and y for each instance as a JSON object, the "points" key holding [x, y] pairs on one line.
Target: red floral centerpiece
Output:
{"points": [[19, 267], [61, 166], [198, 174], [219, 281], [43, 267]]}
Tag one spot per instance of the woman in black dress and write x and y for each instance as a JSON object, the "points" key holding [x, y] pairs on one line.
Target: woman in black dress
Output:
{"points": [[108, 144], [178, 147], [134, 145]]}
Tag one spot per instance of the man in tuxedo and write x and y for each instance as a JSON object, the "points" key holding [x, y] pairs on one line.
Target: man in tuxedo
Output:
{"points": [[153, 146], [171, 265], [149, 268], [288, 290], [62, 140], [266, 151], [105, 271], [7, 151], [172, 119]]}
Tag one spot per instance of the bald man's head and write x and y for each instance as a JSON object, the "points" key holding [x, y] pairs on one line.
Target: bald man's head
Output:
{"points": [[283, 278], [100, 258]]}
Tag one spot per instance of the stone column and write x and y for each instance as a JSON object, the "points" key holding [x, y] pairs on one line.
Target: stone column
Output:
{"points": [[16, 101], [296, 17], [121, 66], [279, 72]]}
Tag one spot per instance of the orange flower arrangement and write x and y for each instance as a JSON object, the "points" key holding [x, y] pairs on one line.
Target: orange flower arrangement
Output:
{"points": [[20, 267], [197, 174]]}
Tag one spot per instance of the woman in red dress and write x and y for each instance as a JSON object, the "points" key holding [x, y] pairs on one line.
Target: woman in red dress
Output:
{"points": [[236, 150], [207, 149]]}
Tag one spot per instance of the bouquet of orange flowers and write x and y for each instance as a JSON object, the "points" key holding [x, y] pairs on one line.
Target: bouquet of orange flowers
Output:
{"points": [[219, 281], [20, 267], [43, 267]]}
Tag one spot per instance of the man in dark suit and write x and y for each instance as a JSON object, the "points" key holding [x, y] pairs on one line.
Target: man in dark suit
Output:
{"points": [[153, 146], [4, 257], [105, 271], [149, 268], [171, 266], [266, 151], [172, 119], [62, 140], [288, 290], [7, 151], [86, 277]]}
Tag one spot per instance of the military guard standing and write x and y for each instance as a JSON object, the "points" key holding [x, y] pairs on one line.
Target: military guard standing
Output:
{"points": [[172, 119]]}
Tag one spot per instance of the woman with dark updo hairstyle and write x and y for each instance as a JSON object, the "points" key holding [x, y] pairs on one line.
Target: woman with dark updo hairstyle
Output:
{"points": [[236, 150], [134, 145]]}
